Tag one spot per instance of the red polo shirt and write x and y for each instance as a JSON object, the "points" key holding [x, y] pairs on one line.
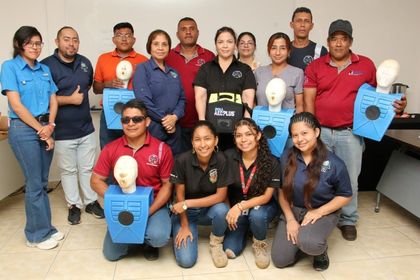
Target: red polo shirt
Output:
{"points": [[154, 159], [336, 91], [188, 71]]}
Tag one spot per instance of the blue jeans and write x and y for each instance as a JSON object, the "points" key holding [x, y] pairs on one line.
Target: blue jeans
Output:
{"points": [[107, 135], [257, 221], [35, 162], [349, 148], [157, 235], [214, 216]]}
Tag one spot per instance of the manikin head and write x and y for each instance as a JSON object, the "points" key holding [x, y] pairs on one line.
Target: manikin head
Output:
{"points": [[386, 74], [125, 172], [275, 93], [124, 71]]}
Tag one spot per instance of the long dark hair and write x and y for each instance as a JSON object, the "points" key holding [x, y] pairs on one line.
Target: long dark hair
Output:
{"points": [[263, 162], [22, 36], [313, 170]]}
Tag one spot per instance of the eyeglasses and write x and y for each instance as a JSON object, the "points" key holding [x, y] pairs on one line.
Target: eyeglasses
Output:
{"points": [[242, 44], [34, 45], [126, 36], [135, 119]]}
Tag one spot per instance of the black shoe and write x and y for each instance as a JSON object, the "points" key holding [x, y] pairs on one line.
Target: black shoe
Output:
{"points": [[349, 232], [74, 215], [321, 262], [95, 209], [150, 253]]}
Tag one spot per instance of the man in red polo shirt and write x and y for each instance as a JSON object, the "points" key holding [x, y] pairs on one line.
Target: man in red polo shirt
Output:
{"points": [[155, 161], [105, 72], [186, 58], [330, 89]]}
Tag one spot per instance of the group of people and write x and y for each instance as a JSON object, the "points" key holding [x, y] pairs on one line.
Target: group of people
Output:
{"points": [[227, 180]]}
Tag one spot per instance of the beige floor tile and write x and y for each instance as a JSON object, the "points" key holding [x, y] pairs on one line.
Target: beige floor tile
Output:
{"points": [[137, 267], [85, 236], [370, 219], [33, 265], [10, 217], [387, 242], [6, 233], [295, 272], [81, 264], [412, 232], [354, 250], [403, 268], [360, 270], [237, 275], [14, 202]]}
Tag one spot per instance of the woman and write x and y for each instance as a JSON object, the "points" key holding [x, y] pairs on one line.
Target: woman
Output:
{"points": [[278, 48], [230, 77], [159, 86], [256, 174], [315, 186], [201, 178], [246, 49], [30, 92]]}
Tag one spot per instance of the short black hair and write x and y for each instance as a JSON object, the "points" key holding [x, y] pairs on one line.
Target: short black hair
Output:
{"points": [[186, 19], [122, 25], [62, 28], [301, 10], [22, 36], [136, 104]]}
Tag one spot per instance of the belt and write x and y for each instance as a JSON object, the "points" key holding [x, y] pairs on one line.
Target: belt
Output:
{"points": [[43, 118], [340, 128]]}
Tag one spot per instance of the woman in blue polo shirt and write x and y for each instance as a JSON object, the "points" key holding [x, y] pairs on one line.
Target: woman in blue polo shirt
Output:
{"points": [[315, 186], [160, 88], [256, 174], [30, 92], [201, 179]]}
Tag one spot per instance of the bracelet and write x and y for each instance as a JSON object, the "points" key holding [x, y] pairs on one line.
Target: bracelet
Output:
{"points": [[52, 123], [239, 204]]}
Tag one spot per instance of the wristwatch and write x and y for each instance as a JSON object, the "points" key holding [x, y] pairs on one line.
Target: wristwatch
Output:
{"points": [[184, 205]]}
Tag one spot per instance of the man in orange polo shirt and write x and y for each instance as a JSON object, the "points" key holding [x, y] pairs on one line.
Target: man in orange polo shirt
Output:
{"points": [[105, 74]]}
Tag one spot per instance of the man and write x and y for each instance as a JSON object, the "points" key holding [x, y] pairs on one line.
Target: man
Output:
{"points": [[187, 57], [155, 161], [330, 89], [303, 50], [74, 134], [105, 72]]}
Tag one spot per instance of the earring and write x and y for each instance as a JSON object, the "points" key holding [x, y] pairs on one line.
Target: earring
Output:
{"points": [[216, 149], [192, 151]]}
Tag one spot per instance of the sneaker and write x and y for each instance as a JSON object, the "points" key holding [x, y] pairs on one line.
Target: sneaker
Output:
{"points": [[44, 245], [150, 253], [348, 232], [58, 236], [74, 215], [321, 262], [95, 209]]}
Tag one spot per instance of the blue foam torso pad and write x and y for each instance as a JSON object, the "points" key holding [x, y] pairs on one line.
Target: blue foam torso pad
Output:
{"points": [[113, 100], [127, 214], [275, 126], [373, 112]]}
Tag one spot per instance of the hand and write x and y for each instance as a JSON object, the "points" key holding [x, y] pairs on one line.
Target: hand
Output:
{"points": [[181, 237], [232, 217], [399, 105], [172, 131], [115, 83], [77, 96], [311, 217], [49, 143], [292, 228], [177, 208], [169, 122], [45, 132]]}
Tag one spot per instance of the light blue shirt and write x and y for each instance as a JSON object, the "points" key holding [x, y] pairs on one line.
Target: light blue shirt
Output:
{"points": [[34, 85]]}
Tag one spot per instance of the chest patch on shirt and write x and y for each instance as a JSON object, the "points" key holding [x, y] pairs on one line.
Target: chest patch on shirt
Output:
{"points": [[307, 59], [355, 73], [84, 67], [153, 160], [173, 74], [326, 165], [237, 74], [200, 62], [213, 176]]}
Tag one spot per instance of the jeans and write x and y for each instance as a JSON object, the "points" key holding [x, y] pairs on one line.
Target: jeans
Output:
{"points": [[107, 135], [158, 231], [349, 148], [257, 221], [75, 160], [214, 216], [35, 162]]}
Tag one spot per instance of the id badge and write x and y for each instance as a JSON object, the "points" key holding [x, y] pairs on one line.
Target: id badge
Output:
{"points": [[245, 212]]}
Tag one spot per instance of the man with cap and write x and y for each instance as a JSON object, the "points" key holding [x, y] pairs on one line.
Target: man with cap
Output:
{"points": [[330, 89]]}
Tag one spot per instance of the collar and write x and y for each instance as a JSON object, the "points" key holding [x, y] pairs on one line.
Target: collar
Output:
{"points": [[177, 49], [76, 58], [354, 58], [132, 54], [238, 158], [212, 161], [146, 142], [22, 63], [235, 60], [154, 66]]}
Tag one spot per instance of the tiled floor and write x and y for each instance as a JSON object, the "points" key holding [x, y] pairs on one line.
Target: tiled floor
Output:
{"points": [[388, 247]]}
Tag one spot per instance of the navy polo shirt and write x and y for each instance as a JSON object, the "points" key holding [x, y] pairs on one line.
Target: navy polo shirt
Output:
{"points": [[198, 182], [235, 193], [237, 78], [73, 121], [334, 181]]}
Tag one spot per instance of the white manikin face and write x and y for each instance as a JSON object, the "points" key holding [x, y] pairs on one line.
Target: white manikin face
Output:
{"points": [[387, 73], [275, 91], [124, 70], [125, 172]]}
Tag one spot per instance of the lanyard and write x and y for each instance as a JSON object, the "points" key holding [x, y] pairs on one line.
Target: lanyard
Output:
{"points": [[245, 187]]}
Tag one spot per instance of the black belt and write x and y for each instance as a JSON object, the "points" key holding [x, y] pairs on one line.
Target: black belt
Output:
{"points": [[341, 128], [43, 118]]}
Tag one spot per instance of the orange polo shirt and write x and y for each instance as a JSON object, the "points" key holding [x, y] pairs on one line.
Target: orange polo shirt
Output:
{"points": [[107, 64]]}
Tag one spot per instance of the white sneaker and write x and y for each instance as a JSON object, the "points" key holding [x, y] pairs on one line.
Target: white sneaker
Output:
{"points": [[58, 236], [44, 245]]}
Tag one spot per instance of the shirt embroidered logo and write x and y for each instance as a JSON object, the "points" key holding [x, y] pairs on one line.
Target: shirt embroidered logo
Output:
{"points": [[200, 62], [174, 74], [325, 166], [153, 160], [237, 74], [213, 176]]}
